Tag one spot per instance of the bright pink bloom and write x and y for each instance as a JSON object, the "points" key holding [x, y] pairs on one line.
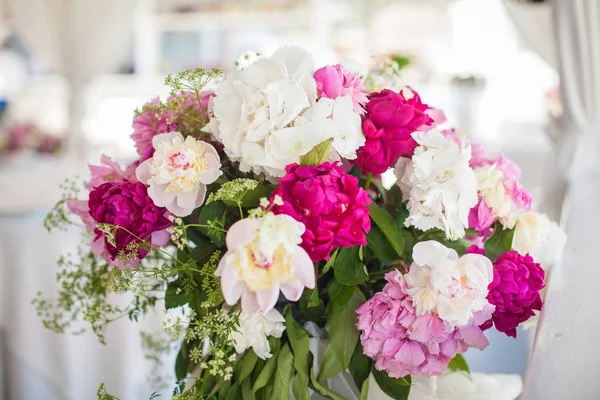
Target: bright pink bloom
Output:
{"points": [[334, 81], [515, 291], [153, 121], [128, 205], [475, 249], [390, 120], [481, 217], [402, 343], [329, 203]]}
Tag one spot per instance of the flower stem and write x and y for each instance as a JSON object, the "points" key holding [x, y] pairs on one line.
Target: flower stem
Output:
{"points": [[368, 182]]}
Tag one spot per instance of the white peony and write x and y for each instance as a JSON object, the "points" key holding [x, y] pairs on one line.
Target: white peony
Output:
{"points": [[178, 172], [440, 282], [537, 236], [490, 182], [438, 183], [267, 115], [254, 329]]}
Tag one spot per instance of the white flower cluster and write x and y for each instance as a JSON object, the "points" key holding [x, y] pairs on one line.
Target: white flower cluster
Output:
{"points": [[267, 115], [439, 184], [254, 330]]}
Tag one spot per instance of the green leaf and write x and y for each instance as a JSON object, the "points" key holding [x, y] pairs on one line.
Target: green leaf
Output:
{"points": [[386, 223], [234, 392], [397, 389], [329, 263], [458, 363], [401, 216], [360, 366], [364, 391], [267, 371], [348, 268], [499, 243], [343, 337], [300, 347], [339, 295], [318, 154], [283, 374], [324, 390], [314, 313], [175, 296], [380, 246], [183, 363], [247, 390], [214, 212], [245, 365], [460, 245], [313, 298]]}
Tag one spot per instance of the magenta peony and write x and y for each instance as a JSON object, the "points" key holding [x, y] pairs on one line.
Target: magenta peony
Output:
{"points": [[153, 120], [334, 81], [402, 343], [390, 120], [515, 291], [128, 206], [329, 203]]}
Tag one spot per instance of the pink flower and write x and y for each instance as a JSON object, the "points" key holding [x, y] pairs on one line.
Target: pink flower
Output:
{"points": [[334, 81], [390, 120], [109, 171], [329, 203], [515, 291], [403, 343], [127, 205], [262, 259], [481, 217], [153, 120]]}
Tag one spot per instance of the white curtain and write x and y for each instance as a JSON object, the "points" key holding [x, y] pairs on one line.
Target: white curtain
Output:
{"points": [[77, 38]]}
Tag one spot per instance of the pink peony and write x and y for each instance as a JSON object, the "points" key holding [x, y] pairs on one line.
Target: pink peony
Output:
{"points": [[153, 120], [329, 203], [515, 291], [390, 120], [481, 217], [403, 343], [128, 206], [334, 81], [109, 171]]}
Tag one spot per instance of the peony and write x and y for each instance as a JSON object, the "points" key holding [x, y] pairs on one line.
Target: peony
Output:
{"points": [[389, 121], [515, 291], [126, 205], [439, 184], [263, 258], [329, 203], [481, 217], [153, 120], [334, 81], [442, 283], [108, 171], [401, 342], [253, 107], [253, 330], [178, 172]]}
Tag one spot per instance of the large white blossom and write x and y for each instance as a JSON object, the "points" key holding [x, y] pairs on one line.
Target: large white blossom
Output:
{"points": [[178, 172], [538, 236], [440, 282], [267, 115], [438, 183], [254, 329]]}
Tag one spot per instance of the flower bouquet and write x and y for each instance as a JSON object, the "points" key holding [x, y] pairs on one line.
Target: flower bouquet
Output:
{"points": [[258, 214]]}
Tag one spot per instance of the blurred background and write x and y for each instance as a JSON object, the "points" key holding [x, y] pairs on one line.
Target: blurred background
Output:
{"points": [[73, 71]]}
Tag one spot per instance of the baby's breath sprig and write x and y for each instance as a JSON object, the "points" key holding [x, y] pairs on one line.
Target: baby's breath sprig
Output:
{"points": [[58, 217], [233, 191]]}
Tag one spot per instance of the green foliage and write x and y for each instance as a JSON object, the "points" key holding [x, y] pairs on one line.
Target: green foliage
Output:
{"points": [[360, 366], [343, 334], [397, 389], [212, 217], [380, 246], [499, 243], [283, 374], [348, 267], [191, 80], [311, 310], [269, 368], [324, 390], [241, 192], [318, 154], [388, 227], [300, 347], [59, 216], [458, 363], [330, 262]]}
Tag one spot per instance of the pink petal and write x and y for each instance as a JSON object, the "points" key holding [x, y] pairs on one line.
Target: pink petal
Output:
{"points": [[242, 232], [142, 172], [230, 286], [249, 301], [292, 290], [160, 238], [474, 337], [304, 267], [267, 298], [410, 353]]}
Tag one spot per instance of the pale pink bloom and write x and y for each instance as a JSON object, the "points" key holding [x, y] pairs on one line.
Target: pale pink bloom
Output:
{"points": [[334, 81], [108, 171], [264, 258]]}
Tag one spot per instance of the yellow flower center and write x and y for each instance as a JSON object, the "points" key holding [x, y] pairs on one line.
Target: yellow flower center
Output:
{"points": [[261, 271]]}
